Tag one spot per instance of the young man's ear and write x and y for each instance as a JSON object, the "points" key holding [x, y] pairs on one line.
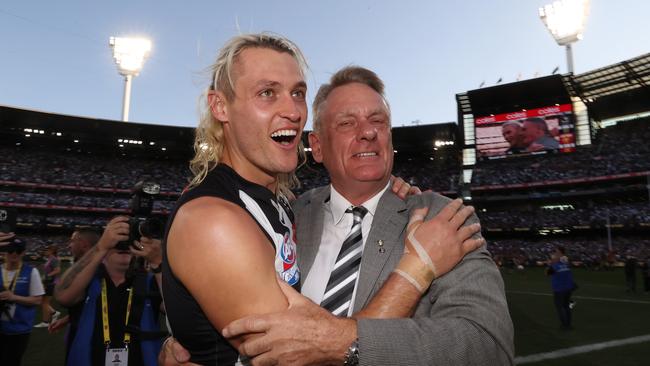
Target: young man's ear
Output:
{"points": [[218, 107], [315, 144]]}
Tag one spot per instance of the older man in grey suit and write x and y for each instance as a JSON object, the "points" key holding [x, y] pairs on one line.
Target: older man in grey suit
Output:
{"points": [[461, 318]]}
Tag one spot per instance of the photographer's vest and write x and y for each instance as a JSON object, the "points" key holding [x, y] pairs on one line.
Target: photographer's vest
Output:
{"points": [[81, 348], [23, 319]]}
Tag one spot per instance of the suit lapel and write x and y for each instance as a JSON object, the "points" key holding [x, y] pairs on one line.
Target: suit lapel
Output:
{"points": [[388, 223], [310, 230]]}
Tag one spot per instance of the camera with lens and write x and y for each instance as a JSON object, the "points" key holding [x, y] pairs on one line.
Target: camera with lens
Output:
{"points": [[142, 223]]}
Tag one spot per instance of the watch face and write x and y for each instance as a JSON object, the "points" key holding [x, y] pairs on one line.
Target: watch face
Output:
{"points": [[352, 355]]}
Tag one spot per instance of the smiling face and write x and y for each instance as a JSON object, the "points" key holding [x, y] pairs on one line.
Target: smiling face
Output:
{"points": [[354, 141], [512, 134], [264, 120]]}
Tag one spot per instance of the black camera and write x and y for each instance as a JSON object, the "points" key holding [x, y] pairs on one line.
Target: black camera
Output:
{"points": [[142, 223]]}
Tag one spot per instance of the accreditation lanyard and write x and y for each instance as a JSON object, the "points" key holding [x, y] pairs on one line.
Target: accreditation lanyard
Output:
{"points": [[105, 323], [10, 285]]}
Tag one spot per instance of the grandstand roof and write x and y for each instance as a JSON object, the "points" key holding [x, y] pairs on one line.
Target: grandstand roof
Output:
{"points": [[102, 135], [615, 90], [90, 133]]}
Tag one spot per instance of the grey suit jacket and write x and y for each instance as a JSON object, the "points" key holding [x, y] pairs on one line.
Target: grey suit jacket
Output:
{"points": [[462, 319]]}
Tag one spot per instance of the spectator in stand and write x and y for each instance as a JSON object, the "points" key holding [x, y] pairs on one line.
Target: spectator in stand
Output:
{"points": [[20, 295], [511, 131], [562, 284], [51, 272]]}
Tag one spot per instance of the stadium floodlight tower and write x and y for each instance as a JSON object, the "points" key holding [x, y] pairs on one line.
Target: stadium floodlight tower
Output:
{"points": [[129, 55], [566, 19]]}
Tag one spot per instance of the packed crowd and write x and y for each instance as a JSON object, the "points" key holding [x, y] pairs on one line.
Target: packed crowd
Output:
{"points": [[597, 215], [66, 199], [87, 170], [618, 149], [588, 252]]}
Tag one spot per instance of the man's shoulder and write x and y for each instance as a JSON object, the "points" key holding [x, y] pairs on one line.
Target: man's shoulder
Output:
{"points": [[433, 200], [209, 208], [309, 197]]}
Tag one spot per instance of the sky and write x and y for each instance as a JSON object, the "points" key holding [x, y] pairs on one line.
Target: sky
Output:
{"points": [[55, 55]]}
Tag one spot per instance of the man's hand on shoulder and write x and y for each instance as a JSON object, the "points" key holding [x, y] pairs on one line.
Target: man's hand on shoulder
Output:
{"points": [[303, 334], [402, 188], [433, 247]]}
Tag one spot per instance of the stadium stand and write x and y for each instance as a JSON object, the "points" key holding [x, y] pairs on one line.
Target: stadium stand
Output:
{"points": [[61, 172]]}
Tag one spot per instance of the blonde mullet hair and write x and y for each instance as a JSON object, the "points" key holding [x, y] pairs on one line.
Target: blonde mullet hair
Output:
{"points": [[209, 136]]}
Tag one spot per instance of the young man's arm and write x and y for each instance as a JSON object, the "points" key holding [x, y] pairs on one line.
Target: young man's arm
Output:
{"points": [[225, 261]]}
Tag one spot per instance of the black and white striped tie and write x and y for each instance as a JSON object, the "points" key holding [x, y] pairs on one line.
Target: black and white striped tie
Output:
{"points": [[338, 293]]}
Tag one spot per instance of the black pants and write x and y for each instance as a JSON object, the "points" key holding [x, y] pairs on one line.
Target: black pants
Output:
{"points": [[12, 348], [562, 299]]}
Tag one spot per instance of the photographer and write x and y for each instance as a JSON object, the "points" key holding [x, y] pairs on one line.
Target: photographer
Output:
{"points": [[20, 295], [111, 291]]}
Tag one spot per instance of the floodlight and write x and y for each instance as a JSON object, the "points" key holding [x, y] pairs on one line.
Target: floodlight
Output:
{"points": [[566, 20], [129, 55]]}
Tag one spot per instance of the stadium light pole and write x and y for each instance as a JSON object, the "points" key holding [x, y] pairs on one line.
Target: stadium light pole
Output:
{"points": [[566, 19], [129, 55]]}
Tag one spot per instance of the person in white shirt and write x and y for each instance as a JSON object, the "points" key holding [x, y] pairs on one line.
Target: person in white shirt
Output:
{"points": [[20, 295]]}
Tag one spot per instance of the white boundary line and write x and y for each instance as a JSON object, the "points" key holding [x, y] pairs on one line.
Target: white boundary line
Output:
{"points": [[581, 297], [580, 349]]}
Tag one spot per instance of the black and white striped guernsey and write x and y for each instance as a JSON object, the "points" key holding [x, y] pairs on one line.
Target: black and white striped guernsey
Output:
{"points": [[273, 215]]}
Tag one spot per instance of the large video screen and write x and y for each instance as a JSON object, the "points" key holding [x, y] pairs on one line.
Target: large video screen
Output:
{"points": [[525, 132]]}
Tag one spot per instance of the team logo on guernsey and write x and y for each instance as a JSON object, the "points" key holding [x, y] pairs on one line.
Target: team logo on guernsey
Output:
{"points": [[282, 233], [288, 252], [290, 272]]}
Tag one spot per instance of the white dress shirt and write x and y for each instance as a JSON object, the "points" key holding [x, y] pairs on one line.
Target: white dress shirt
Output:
{"points": [[336, 226]]}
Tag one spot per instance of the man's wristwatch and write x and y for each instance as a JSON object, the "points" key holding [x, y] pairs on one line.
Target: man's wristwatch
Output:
{"points": [[352, 355]]}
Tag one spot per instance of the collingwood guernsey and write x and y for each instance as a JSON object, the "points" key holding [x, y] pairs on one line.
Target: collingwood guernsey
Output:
{"points": [[273, 214]]}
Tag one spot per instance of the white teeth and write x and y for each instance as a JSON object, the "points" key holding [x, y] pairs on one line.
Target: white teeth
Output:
{"points": [[366, 154], [284, 133]]}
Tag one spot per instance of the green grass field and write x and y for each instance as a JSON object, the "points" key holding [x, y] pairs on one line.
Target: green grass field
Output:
{"points": [[614, 315]]}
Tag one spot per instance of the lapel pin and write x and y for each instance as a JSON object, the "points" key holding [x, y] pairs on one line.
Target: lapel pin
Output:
{"points": [[380, 243]]}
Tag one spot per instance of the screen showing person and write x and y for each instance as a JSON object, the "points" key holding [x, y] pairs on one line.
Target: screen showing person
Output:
{"points": [[537, 136], [525, 131]]}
